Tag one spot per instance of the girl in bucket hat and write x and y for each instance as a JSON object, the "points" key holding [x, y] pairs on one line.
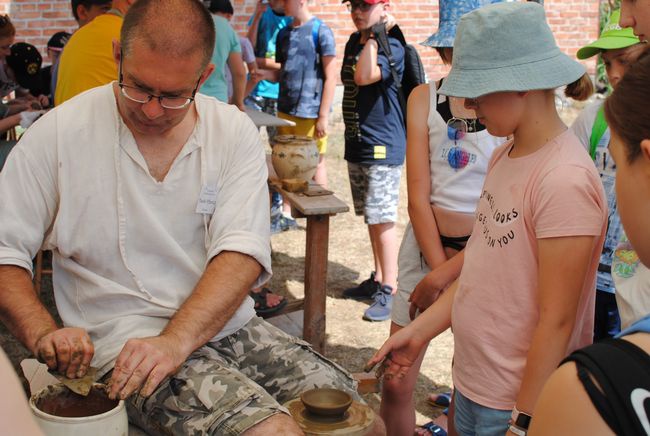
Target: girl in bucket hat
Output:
{"points": [[447, 156], [619, 48], [524, 298], [570, 403]]}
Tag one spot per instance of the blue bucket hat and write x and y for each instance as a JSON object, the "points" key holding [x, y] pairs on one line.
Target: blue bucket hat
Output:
{"points": [[450, 13], [507, 47]]}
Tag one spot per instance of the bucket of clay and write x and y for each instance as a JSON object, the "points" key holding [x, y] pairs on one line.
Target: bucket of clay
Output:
{"points": [[61, 412], [294, 157]]}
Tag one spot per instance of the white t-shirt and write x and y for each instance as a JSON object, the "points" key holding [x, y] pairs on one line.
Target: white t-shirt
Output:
{"points": [[456, 179], [127, 249], [584, 124], [632, 279]]}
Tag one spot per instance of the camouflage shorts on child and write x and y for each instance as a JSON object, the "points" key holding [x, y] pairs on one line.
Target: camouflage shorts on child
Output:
{"points": [[227, 387], [375, 191]]}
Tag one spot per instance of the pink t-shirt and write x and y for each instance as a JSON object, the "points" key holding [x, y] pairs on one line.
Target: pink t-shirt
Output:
{"points": [[554, 192]]}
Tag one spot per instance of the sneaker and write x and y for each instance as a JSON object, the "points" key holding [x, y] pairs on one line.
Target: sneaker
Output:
{"points": [[380, 309], [276, 224], [276, 203], [281, 223], [288, 223], [365, 290]]}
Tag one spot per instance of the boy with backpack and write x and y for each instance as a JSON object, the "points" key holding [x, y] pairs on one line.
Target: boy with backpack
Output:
{"points": [[306, 51], [375, 144]]}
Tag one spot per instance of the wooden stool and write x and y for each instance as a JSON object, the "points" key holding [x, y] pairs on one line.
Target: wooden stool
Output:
{"points": [[39, 271]]}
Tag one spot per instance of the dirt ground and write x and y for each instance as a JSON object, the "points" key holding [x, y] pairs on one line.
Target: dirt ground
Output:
{"points": [[351, 341]]}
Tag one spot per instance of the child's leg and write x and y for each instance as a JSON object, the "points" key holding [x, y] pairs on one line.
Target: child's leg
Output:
{"points": [[321, 172], [381, 202], [385, 249], [397, 405], [375, 256]]}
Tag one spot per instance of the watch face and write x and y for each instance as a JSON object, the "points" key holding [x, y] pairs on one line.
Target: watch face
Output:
{"points": [[523, 421]]}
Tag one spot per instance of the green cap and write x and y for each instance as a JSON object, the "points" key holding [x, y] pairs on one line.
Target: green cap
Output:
{"points": [[612, 38]]}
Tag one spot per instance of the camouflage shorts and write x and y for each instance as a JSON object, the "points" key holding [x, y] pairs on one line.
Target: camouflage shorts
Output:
{"points": [[375, 191], [227, 387]]}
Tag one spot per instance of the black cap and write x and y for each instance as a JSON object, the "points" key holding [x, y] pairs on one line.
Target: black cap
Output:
{"points": [[25, 62], [58, 40]]}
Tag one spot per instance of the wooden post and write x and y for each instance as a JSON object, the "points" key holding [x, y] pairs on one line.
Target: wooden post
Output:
{"points": [[316, 280]]}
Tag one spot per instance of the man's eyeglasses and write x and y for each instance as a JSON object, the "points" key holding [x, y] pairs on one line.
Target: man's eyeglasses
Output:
{"points": [[363, 6], [137, 95]]}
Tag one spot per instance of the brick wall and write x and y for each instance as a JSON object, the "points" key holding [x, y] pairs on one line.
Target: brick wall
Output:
{"points": [[36, 21], [574, 22]]}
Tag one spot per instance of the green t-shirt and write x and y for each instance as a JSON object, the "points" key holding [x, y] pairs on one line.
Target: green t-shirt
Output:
{"points": [[227, 41]]}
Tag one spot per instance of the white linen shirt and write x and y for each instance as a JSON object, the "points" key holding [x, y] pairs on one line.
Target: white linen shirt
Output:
{"points": [[128, 250]]}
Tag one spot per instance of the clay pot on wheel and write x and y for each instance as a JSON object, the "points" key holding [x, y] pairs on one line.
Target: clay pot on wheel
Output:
{"points": [[60, 412], [294, 157]]}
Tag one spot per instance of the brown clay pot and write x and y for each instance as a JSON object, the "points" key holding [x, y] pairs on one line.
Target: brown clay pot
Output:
{"points": [[294, 157]]}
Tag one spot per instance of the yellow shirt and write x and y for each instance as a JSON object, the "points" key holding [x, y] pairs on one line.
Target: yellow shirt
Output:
{"points": [[87, 60]]}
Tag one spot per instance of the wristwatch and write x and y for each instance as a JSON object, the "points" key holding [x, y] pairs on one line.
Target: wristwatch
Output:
{"points": [[516, 431], [520, 420]]}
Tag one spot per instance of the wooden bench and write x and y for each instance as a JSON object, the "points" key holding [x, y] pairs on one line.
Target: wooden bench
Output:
{"points": [[317, 210]]}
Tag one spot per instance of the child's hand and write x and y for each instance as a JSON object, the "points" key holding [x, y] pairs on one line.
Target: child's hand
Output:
{"points": [[428, 290], [43, 101], [398, 353], [260, 7], [321, 126]]}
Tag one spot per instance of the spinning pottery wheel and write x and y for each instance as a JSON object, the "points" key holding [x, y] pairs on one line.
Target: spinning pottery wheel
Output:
{"points": [[356, 421]]}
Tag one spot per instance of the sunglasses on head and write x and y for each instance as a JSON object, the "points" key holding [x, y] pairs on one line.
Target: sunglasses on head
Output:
{"points": [[457, 158], [457, 128]]}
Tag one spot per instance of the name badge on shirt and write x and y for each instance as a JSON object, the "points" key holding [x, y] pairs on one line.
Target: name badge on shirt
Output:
{"points": [[207, 199]]}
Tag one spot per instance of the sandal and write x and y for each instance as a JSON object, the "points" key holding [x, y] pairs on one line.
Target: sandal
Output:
{"points": [[440, 400], [431, 428], [261, 307]]}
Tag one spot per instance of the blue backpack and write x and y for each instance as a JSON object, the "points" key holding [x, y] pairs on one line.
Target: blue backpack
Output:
{"points": [[314, 36]]}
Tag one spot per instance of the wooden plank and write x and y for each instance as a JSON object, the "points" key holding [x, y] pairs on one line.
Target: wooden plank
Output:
{"points": [[319, 205], [323, 205], [368, 383], [316, 280], [292, 306], [263, 119], [289, 323]]}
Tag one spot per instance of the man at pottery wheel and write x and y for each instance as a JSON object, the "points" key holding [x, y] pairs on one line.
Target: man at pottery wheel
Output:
{"points": [[153, 200]]}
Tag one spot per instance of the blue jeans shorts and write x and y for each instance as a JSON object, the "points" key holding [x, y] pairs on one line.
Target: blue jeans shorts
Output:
{"points": [[471, 418]]}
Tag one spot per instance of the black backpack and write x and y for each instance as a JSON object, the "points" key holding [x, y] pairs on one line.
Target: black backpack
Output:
{"points": [[616, 375], [413, 69]]}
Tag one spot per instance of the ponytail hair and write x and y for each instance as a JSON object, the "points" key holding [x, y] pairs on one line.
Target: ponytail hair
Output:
{"points": [[581, 89], [626, 109]]}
